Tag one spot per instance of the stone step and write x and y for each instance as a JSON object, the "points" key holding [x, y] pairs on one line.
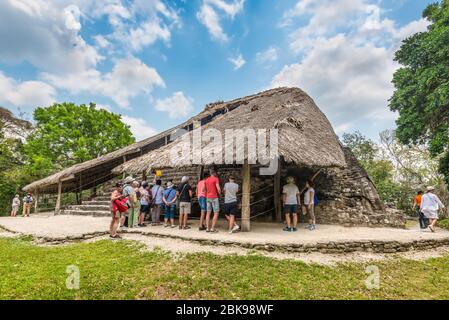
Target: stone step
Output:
{"points": [[96, 203], [86, 213], [90, 207], [102, 198]]}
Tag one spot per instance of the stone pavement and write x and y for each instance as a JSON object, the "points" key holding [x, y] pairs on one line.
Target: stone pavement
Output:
{"points": [[264, 236]]}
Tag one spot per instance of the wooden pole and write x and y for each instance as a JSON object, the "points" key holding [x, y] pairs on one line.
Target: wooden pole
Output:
{"points": [[246, 197], [58, 200], [277, 194], [36, 200]]}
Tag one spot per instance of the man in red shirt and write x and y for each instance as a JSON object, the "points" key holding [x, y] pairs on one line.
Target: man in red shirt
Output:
{"points": [[213, 191]]}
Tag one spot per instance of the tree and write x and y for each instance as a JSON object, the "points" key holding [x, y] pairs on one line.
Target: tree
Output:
{"points": [[422, 87], [380, 170], [11, 177], [66, 134]]}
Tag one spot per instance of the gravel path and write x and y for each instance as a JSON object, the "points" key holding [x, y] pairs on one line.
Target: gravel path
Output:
{"points": [[50, 226]]}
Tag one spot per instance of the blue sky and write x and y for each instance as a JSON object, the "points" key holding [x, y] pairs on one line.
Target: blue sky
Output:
{"points": [[159, 62]]}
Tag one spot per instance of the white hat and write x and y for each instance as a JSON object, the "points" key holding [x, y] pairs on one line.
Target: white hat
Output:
{"points": [[185, 179], [169, 184], [129, 179], [430, 188]]}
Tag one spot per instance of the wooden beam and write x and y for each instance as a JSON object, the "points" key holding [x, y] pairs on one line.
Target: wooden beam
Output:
{"points": [[58, 200], [277, 194], [36, 200], [246, 197]]}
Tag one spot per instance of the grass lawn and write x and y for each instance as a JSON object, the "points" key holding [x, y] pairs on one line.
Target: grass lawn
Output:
{"points": [[125, 270]]}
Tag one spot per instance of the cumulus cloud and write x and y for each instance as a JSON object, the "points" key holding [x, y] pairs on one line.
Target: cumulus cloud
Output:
{"points": [[47, 34], [139, 127], [209, 17], [346, 61], [26, 93], [128, 78], [44, 34], [238, 62], [177, 106]]}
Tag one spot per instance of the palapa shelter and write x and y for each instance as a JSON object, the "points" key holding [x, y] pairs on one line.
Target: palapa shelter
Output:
{"points": [[308, 148], [89, 174]]}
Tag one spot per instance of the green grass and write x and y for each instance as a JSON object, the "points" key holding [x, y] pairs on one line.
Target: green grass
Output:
{"points": [[444, 223], [125, 270]]}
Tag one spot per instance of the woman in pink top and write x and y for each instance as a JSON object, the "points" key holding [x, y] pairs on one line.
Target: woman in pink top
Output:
{"points": [[201, 194]]}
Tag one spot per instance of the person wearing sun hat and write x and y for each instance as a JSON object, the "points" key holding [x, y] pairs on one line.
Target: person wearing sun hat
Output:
{"points": [[169, 199], [430, 204]]}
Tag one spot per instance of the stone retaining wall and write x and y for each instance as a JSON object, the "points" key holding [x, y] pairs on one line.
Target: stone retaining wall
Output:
{"points": [[375, 246]]}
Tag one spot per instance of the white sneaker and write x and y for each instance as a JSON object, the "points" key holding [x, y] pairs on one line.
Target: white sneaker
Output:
{"points": [[235, 229]]}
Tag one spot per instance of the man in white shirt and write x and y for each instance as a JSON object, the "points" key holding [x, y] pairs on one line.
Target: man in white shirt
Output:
{"points": [[291, 199], [230, 203], [430, 204]]}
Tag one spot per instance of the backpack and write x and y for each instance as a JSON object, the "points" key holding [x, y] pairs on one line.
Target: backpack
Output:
{"points": [[316, 201]]}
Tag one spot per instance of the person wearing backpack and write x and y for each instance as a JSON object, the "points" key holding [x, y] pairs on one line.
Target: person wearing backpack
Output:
{"points": [[129, 193], [309, 205], [184, 193], [156, 203], [169, 199], [27, 202]]}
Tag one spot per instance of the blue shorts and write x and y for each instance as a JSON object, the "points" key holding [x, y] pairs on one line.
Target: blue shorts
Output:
{"points": [[291, 208], [170, 211], [203, 203]]}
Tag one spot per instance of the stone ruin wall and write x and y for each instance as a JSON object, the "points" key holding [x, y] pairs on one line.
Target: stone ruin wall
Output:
{"points": [[347, 196]]}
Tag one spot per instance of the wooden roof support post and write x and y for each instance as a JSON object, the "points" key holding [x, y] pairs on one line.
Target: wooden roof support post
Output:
{"points": [[277, 193], [36, 200], [246, 197], [58, 200]]}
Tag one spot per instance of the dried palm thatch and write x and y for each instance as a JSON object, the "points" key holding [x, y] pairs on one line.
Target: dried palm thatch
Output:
{"points": [[305, 135], [96, 171]]}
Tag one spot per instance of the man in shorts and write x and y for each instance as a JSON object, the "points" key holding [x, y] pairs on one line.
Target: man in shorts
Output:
{"points": [[291, 197], [184, 193], [213, 191], [144, 204], [201, 194], [169, 198], [230, 205]]}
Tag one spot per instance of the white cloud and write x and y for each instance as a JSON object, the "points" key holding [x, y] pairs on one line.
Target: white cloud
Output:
{"points": [[147, 34], [177, 106], [45, 34], [139, 127], [209, 17], [346, 60], [269, 55], [25, 94], [128, 78], [238, 62]]}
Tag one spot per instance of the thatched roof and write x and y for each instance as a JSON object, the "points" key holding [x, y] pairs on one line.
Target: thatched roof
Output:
{"points": [[99, 170], [305, 135]]}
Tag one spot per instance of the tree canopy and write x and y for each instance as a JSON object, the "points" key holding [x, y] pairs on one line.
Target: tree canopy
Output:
{"points": [[67, 134], [422, 86]]}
